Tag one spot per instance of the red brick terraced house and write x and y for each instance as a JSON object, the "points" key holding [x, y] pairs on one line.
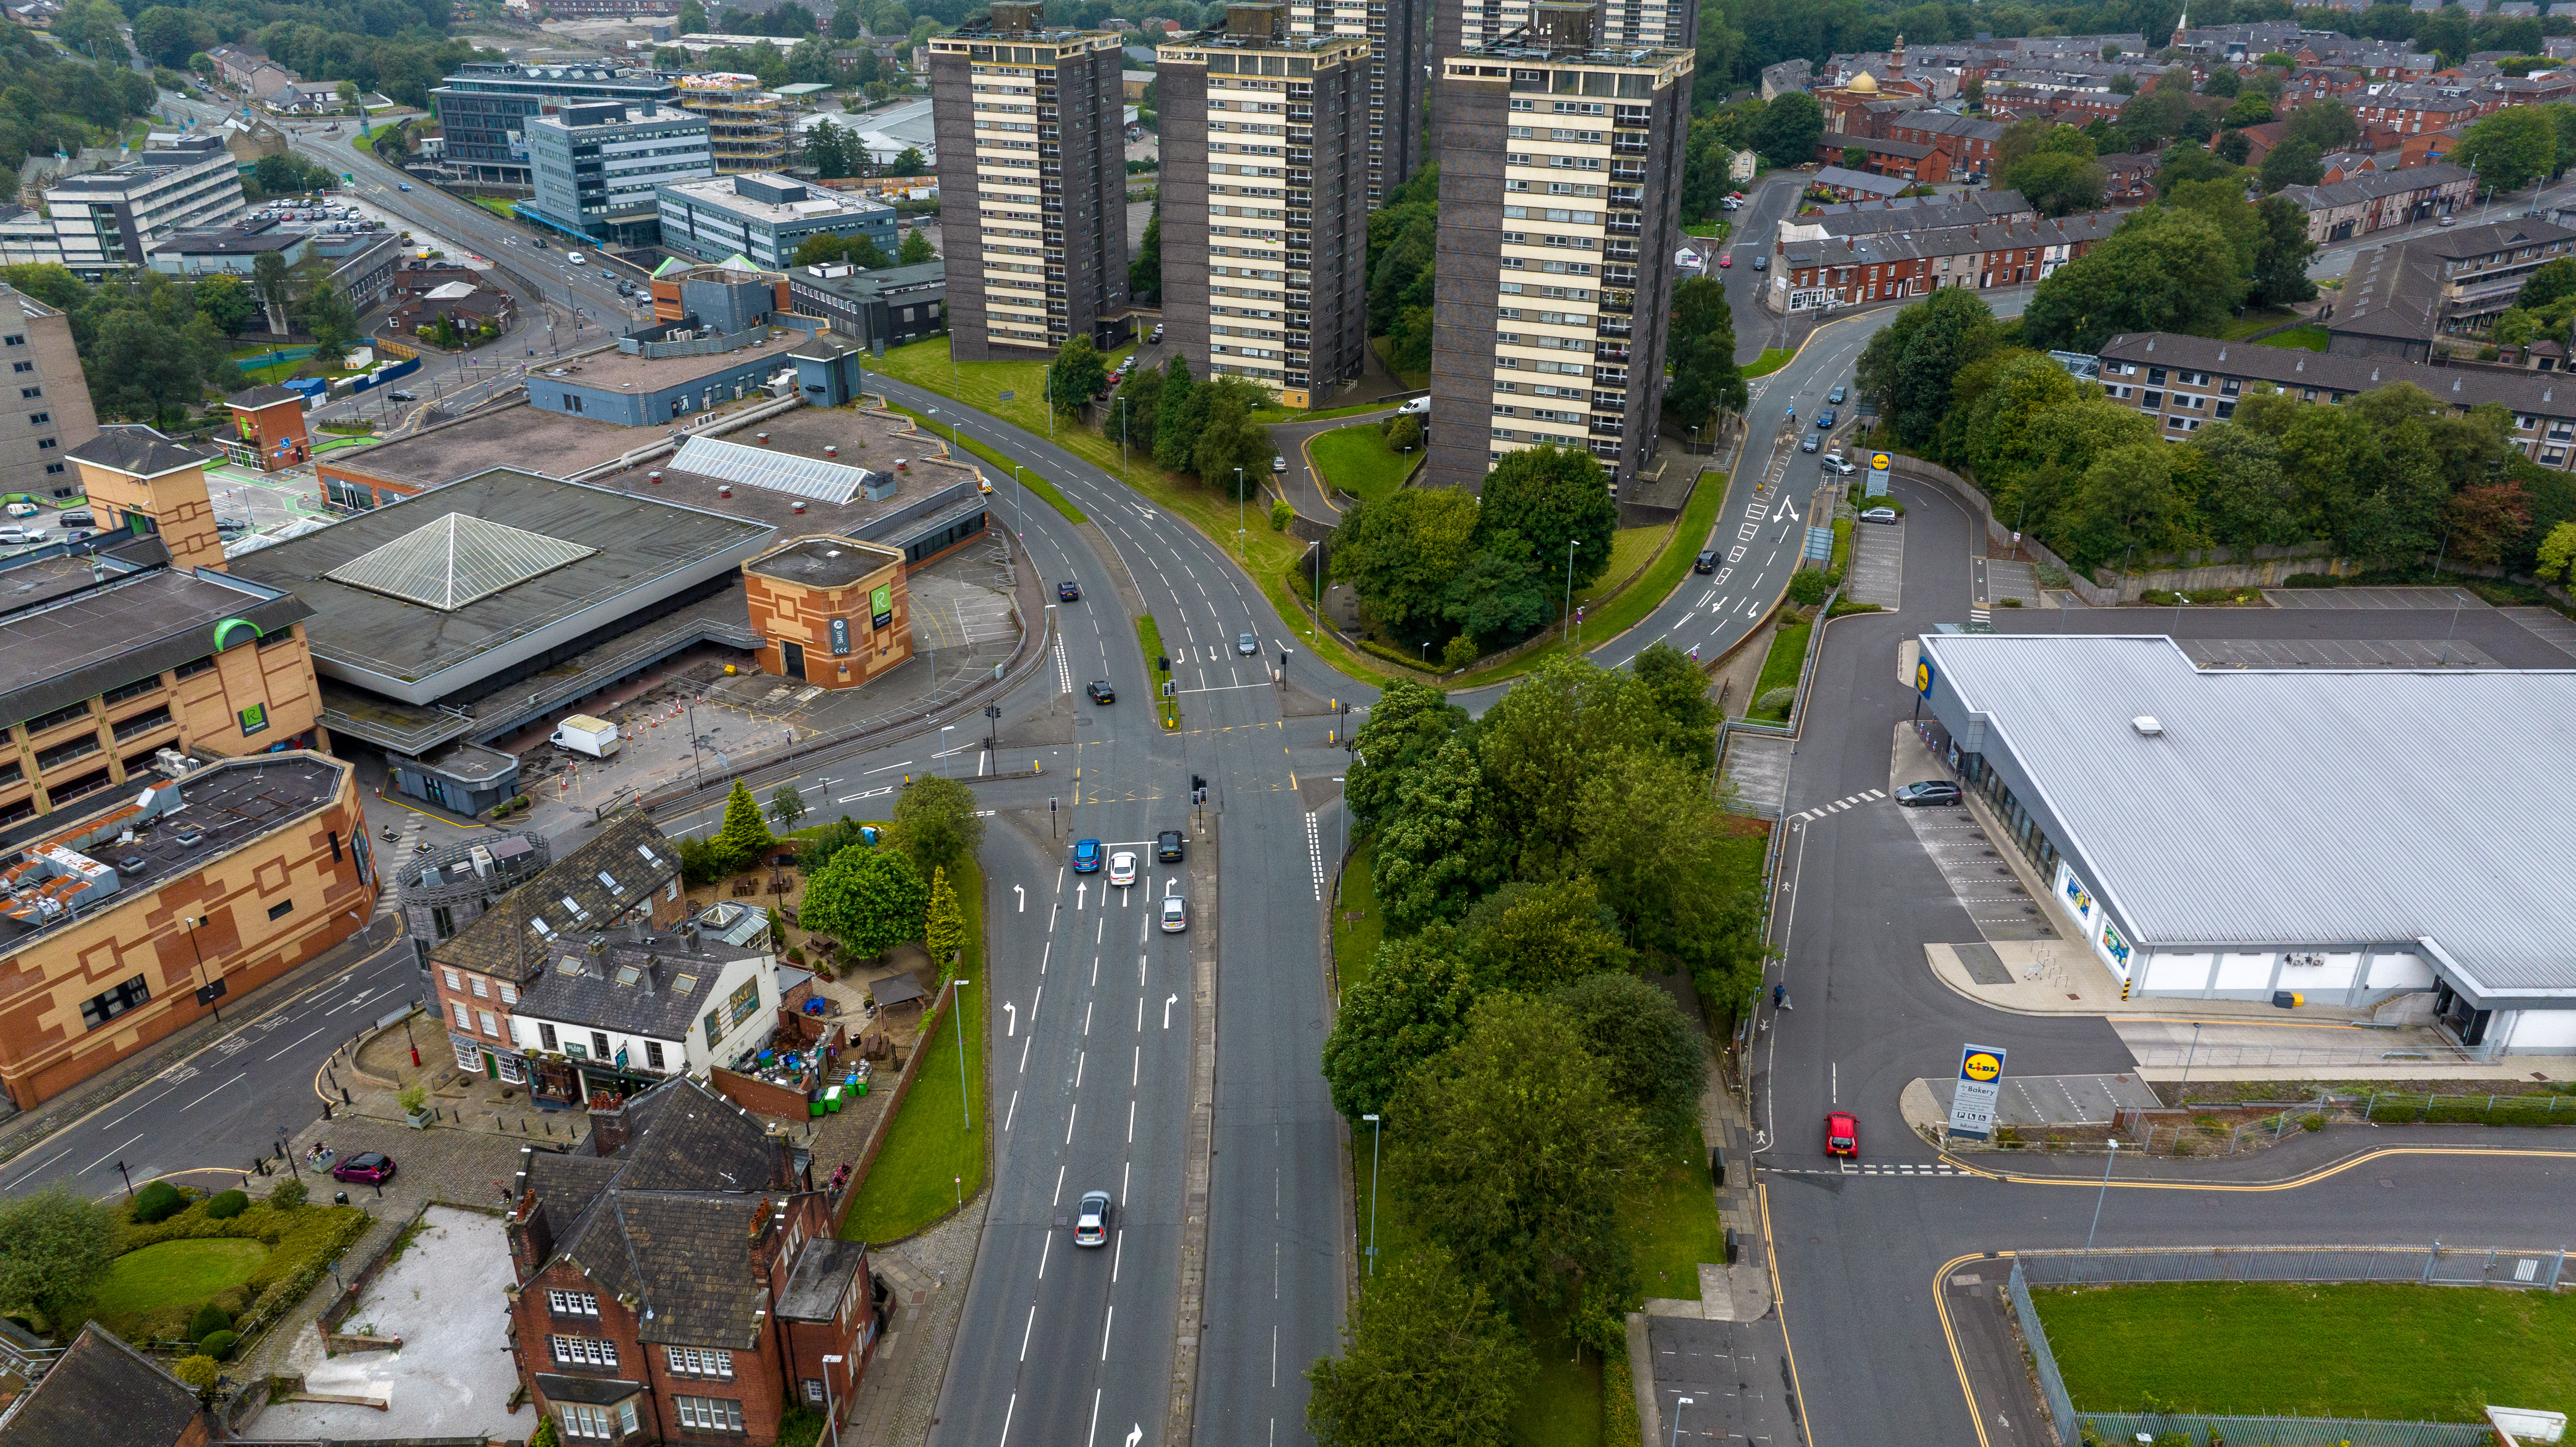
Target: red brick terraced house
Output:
{"points": [[678, 1280], [1812, 271]]}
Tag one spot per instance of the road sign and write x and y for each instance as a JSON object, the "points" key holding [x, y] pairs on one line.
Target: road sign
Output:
{"points": [[1820, 546], [1879, 462], [1972, 1104]]}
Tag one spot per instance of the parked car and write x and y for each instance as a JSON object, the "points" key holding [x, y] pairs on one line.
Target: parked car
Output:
{"points": [[1246, 644], [1836, 396], [1176, 914], [374, 1168], [1926, 794], [1761, 262], [1842, 1134], [1418, 407], [402, 396], [1706, 562], [1100, 691], [1122, 867], [1068, 591], [1168, 846], [1086, 856], [1278, 462], [1725, 260], [1158, 333], [1878, 515], [1091, 1219], [15, 535]]}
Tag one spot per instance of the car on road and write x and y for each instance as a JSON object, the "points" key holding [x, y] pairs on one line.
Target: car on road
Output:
{"points": [[1068, 591], [575, 257], [1825, 420], [607, 274], [402, 186], [1158, 333], [1761, 262], [1246, 644], [1278, 462], [1842, 1134], [1810, 444], [1837, 463], [1418, 407], [228, 528], [1086, 856], [1168, 846], [1091, 1219], [1176, 914], [1100, 691], [1706, 562], [1836, 396], [1725, 260], [1878, 515], [373, 1168], [1926, 794], [402, 396], [1122, 867], [2448, 220]]}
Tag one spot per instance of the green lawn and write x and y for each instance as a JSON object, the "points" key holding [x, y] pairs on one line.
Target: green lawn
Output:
{"points": [[1674, 1224], [1562, 1407], [1358, 461], [498, 205], [2411, 1353], [1630, 608], [1714, 230], [1781, 666], [177, 1274], [1149, 637], [916, 1178], [2311, 339], [1630, 548], [1771, 360], [2255, 321]]}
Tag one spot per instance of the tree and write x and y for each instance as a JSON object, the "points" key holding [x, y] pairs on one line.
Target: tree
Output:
{"points": [[693, 18], [1427, 1361], [1657, 1058], [1401, 237], [1134, 411], [1404, 431], [1513, 1150], [1145, 268], [857, 249], [1680, 693], [1553, 496], [1079, 374], [1233, 451], [915, 249], [56, 1252], [2057, 183], [935, 821], [1409, 1008], [332, 322], [170, 35], [869, 899], [1532, 938], [2162, 271], [2326, 124], [786, 806], [226, 302], [943, 927], [2126, 504], [1409, 724], [2547, 283], [829, 150], [1501, 594], [2185, 164], [1178, 420], [2223, 81], [1856, 157], [907, 162], [1790, 129], [1437, 851], [1399, 553], [1700, 338], [2292, 163], [1908, 367], [847, 23], [2486, 521], [2281, 253], [743, 837], [2557, 556], [2509, 149]]}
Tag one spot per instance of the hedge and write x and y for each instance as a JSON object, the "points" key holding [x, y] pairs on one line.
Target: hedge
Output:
{"points": [[302, 1245]]}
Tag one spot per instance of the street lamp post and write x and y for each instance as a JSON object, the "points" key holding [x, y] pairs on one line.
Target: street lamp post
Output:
{"points": [[1678, 1404], [958, 1003], [1240, 546], [1570, 545], [2182, 1095], [2104, 1196], [1377, 1132], [831, 1419]]}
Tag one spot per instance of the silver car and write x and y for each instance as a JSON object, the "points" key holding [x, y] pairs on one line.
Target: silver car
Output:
{"points": [[1091, 1220]]}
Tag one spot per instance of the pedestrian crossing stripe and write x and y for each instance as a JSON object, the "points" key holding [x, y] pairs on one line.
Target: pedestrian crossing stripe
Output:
{"points": [[1837, 806]]}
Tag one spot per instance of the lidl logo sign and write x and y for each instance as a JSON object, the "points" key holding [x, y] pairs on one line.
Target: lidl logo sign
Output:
{"points": [[1923, 676], [1979, 1064], [1972, 1100], [1881, 461]]}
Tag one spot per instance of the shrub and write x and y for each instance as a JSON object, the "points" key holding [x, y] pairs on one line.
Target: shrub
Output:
{"points": [[208, 1320], [544, 1435], [287, 1195], [218, 1345], [413, 1099], [2008, 602], [158, 1202], [198, 1371], [2312, 580], [1404, 432], [1808, 586], [227, 1205], [1776, 700], [1280, 513], [1458, 652]]}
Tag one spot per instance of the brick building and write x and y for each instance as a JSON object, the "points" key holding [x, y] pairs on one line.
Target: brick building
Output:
{"points": [[271, 422], [2377, 200], [1974, 136], [53, 396], [678, 1279], [1812, 271], [143, 482], [830, 610], [99, 1382]]}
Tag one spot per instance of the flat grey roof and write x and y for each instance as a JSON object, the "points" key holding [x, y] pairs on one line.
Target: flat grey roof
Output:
{"points": [[556, 444], [85, 638], [2295, 808]]}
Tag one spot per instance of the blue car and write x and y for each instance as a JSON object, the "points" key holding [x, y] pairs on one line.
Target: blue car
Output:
{"points": [[1835, 396], [1086, 856]]}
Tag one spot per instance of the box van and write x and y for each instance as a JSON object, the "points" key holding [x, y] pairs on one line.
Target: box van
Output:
{"points": [[585, 734], [575, 257]]}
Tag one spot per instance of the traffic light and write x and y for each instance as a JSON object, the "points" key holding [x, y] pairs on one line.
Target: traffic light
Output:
{"points": [[1163, 662]]}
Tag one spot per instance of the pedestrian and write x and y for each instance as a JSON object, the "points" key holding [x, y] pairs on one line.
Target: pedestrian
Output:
{"points": [[1778, 993]]}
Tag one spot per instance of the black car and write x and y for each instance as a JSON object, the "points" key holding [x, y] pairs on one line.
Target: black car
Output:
{"points": [[1706, 562], [402, 396], [1167, 847], [1068, 591], [1928, 792], [1100, 691]]}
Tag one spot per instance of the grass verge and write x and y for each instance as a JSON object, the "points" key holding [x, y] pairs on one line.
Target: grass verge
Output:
{"points": [[1780, 667], [2255, 321], [1028, 479], [1771, 360], [2313, 1350], [1150, 638], [1413, 381], [1842, 545], [1358, 461], [1630, 549], [177, 1274], [931, 1154], [2308, 339]]}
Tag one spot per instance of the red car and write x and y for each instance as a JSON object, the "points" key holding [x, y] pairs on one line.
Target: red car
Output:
{"points": [[1725, 259], [371, 1169], [1842, 1135]]}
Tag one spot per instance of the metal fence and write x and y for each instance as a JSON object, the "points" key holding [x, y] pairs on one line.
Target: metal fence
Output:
{"points": [[2435, 1265], [2367, 1047]]}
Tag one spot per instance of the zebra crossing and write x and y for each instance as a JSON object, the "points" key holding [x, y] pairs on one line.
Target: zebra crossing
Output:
{"points": [[1837, 806], [1978, 616], [1848, 1168]]}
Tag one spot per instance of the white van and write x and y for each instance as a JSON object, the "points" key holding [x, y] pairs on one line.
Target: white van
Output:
{"points": [[574, 257]]}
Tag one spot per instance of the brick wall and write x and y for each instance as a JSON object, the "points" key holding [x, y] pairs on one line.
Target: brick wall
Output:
{"points": [[902, 1088]]}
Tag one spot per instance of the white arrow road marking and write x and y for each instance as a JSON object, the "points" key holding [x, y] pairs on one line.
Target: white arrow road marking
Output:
{"points": [[1168, 1003]]}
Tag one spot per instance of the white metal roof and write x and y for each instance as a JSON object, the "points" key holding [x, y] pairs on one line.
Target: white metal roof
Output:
{"points": [[456, 559], [734, 462], [2299, 807]]}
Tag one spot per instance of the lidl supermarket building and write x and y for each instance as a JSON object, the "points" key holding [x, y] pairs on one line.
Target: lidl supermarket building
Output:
{"points": [[2230, 833]]}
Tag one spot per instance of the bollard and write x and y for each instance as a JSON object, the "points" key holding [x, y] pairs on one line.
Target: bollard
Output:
{"points": [[326, 1110]]}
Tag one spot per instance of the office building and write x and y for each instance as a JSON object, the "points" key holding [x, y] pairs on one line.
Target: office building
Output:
{"points": [[886, 307], [107, 220], [1459, 25], [763, 217], [598, 165], [746, 126], [1560, 175], [53, 413], [1265, 209], [1032, 180], [1399, 47], [482, 109]]}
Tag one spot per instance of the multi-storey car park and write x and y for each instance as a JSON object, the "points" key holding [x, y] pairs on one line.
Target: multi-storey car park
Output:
{"points": [[1560, 172], [1265, 226], [1034, 227], [1393, 29]]}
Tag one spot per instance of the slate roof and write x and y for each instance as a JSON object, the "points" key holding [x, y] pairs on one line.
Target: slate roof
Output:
{"points": [[499, 942], [137, 450], [596, 991], [2371, 185], [2293, 370], [268, 395], [102, 1393], [1919, 213], [669, 1223]]}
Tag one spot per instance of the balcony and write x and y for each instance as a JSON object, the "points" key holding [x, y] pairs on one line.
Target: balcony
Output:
{"points": [[1629, 148], [1610, 352], [1609, 328], [63, 753], [1627, 173], [1620, 253]]}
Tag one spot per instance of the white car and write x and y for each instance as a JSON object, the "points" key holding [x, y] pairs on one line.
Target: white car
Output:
{"points": [[23, 509], [1176, 914], [10, 535], [1122, 868], [1091, 1221]]}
